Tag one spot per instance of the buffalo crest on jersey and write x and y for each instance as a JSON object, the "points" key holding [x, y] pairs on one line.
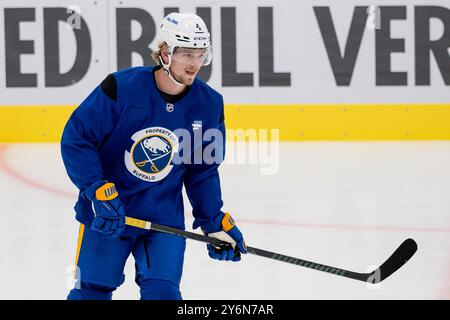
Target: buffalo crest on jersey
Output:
{"points": [[151, 154]]}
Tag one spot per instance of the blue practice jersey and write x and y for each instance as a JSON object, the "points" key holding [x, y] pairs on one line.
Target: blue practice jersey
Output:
{"points": [[133, 137]]}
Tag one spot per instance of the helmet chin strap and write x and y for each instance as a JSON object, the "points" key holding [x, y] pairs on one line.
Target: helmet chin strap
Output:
{"points": [[166, 68]]}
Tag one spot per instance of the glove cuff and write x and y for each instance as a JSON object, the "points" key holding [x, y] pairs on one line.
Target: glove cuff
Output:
{"points": [[222, 222], [89, 193], [106, 192]]}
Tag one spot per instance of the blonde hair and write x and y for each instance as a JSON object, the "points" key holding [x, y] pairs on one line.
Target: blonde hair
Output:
{"points": [[157, 54]]}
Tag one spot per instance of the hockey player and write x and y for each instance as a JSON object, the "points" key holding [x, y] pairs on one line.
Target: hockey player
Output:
{"points": [[118, 148]]}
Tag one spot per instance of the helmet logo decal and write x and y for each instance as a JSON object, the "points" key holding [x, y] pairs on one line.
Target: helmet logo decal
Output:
{"points": [[172, 20]]}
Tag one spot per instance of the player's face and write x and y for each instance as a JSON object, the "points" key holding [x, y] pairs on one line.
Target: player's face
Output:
{"points": [[186, 63]]}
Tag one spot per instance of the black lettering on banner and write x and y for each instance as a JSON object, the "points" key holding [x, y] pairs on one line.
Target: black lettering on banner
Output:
{"points": [[424, 45], [230, 77], [14, 47], [53, 75], [205, 14], [170, 10], [385, 45], [342, 65], [267, 77], [125, 45]]}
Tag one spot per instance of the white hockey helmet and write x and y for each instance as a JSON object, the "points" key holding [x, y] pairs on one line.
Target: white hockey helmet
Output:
{"points": [[186, 30]]}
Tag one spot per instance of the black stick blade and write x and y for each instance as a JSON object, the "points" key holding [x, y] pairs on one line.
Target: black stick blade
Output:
{"points": [[400, 256]]}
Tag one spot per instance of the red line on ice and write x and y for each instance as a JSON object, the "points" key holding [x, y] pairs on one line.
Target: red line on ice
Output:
{"points": [[13, 174], [345, 227]]}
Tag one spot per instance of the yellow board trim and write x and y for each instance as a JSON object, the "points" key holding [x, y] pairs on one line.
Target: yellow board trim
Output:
{"points": [[33, 123], [296, 122]]}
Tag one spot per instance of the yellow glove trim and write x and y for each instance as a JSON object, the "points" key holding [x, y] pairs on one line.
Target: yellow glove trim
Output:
{"points": [[106, 192], [227, 222]]}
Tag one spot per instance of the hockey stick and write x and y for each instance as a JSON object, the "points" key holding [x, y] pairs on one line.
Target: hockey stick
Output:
{"points": [[400, 256]]}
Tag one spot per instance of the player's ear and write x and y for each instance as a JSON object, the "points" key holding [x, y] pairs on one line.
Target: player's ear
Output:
{"points": [[165, 54]]}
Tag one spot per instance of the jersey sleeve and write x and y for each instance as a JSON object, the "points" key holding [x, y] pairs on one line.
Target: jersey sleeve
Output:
{"points": [[202, 181], [84, 133]]}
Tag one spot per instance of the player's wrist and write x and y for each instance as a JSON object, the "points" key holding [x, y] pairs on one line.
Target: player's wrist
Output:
{"points": [[90, 193], [214, 225]]}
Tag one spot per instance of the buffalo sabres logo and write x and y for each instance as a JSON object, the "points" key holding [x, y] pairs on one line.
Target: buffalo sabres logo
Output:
{"points": [[151, 154]]}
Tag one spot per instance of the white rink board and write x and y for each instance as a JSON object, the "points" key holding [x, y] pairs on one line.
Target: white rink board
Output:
{"points": [[298, 50]]}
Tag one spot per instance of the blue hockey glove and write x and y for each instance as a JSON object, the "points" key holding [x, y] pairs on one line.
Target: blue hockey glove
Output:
{"points": [[108, 209], [224, 228]]}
